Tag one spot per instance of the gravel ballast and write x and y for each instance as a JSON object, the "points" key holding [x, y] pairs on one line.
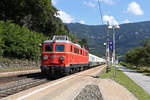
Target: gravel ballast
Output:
{"points": [[90, 92]]}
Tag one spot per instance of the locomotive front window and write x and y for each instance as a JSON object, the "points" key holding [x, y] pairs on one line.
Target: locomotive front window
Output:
{"points": [[59, 48], [48, 48]]}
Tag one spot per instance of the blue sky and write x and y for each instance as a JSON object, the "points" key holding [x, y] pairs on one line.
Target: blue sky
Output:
{"points": [[114, 11]]}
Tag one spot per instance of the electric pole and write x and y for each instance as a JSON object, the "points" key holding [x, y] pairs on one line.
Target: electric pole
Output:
{"points": [[107, 48]]}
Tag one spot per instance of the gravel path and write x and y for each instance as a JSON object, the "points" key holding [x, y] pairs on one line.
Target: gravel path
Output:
{"points": [[140, 79], [90, 92]]}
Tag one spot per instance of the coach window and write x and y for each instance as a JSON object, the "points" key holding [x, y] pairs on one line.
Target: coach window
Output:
{"points": [[59, 48], [78, 51], [81, 52], [75, 50], [71, 48], [48, 48]]}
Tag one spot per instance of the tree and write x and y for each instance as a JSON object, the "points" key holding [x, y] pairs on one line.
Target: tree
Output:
{"points": [[139, 56], [147, 47], [32, 19], [83, 42], [1, 46], [36, 15], [19, 42]]}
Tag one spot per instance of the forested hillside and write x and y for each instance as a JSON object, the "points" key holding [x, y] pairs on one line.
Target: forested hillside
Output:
{"points": [[127, 37], [24, 24]]}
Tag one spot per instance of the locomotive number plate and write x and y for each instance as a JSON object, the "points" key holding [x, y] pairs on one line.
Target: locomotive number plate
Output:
{"points": [[53, 56]]}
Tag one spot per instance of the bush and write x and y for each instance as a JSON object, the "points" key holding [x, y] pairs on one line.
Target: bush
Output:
{"points": [[125, 64], [19, 42], [1, 46]]}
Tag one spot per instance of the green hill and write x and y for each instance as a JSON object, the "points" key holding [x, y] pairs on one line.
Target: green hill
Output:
{"points": [[24, 24], [127, 37]]}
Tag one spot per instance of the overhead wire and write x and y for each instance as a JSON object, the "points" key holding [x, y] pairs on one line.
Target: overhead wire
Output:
{"points": [[100, 11]]}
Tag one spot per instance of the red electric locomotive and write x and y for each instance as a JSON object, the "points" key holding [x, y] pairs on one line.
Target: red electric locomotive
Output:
{"points": [[61, 56]]}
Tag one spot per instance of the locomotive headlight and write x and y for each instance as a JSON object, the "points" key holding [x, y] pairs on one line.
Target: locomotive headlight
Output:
{"points": [[62, 58], [45, 57]]}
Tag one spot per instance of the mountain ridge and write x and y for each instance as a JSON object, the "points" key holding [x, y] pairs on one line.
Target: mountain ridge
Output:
{"points": [[130, 35]]}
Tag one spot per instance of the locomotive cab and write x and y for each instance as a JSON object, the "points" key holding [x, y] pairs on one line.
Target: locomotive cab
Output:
{"points": [[60, 57], [55, 54]]}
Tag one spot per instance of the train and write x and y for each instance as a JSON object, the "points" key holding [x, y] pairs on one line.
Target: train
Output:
{"points": [[60, 56]]}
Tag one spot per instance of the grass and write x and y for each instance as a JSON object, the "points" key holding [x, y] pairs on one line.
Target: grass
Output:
{"points": [[124, 80]]}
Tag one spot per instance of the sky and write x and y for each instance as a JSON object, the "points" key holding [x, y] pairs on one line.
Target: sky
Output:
{"points": [[114, 11]]}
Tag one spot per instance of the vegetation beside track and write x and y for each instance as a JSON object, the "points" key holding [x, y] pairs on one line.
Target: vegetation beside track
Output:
{"points": [[18, 69], [12, 64], [124, 80], [139, 58], [145, 70]]}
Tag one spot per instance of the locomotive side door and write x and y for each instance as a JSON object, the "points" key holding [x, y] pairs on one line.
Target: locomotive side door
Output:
{"points": [[71, 55]]}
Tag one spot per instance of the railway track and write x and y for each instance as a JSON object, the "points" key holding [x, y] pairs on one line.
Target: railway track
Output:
{"points": [[15, 84]]}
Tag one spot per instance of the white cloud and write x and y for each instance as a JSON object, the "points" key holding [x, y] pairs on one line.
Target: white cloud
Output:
{"points": [[53, 2], [134, 9], [89, 3], [66, 18], [110, 19], [81, 22], [126, 21]]}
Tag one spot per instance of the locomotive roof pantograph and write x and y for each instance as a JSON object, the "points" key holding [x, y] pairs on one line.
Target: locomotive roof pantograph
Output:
{"points": [[62, 39]]}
